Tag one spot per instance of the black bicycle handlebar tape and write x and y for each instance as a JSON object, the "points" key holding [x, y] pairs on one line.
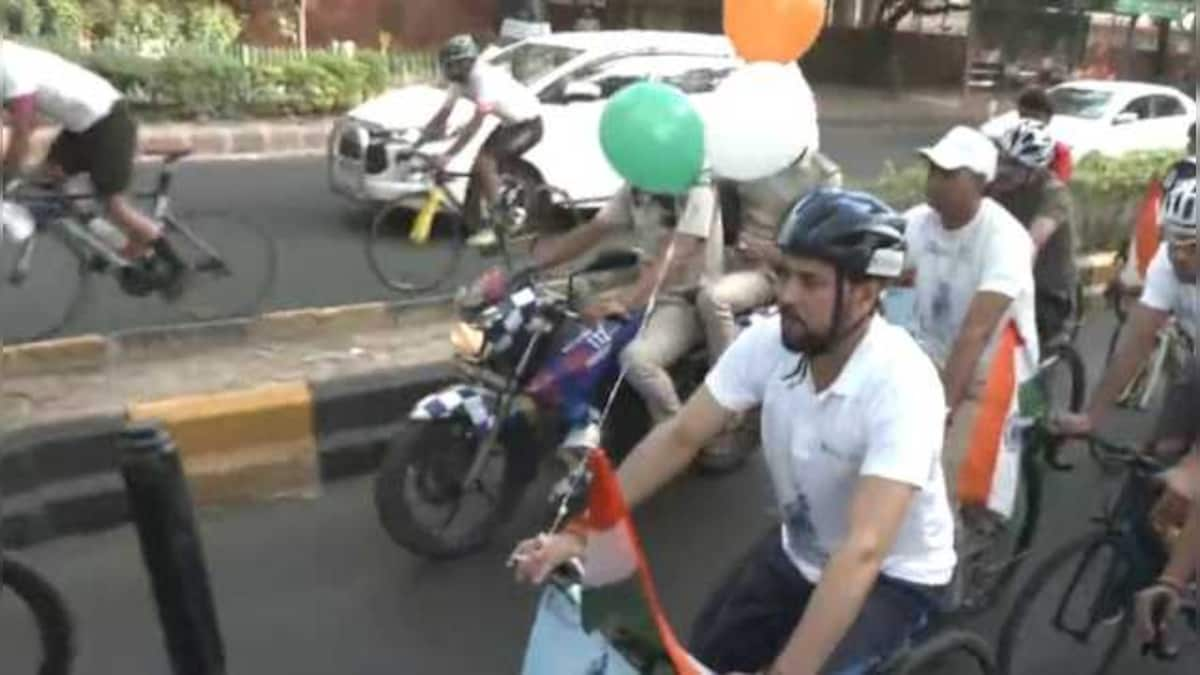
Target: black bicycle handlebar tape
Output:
{"points": [[161, 507]]}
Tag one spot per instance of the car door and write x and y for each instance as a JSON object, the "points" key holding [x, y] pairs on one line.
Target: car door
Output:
{"points": [[1169, 123], [570, 156], [1132, 127]]}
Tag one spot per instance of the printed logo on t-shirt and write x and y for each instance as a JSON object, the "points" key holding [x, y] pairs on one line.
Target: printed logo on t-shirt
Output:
{"points": [[802, 533]]}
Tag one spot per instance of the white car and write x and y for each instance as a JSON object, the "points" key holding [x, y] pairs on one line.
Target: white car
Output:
{"points": [[573, 74], [1113, 118]]}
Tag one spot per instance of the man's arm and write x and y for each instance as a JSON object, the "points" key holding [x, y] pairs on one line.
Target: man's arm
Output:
{"points": [[22, 120], [555, 251], [986, 311], [437, 125], [877, 511], [668, 450], [464, 135], [687, 251], [1041, 229], [1137, 341]]}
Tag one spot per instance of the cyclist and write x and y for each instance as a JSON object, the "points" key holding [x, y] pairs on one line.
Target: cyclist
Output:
{"points": [[751, 213], [692, 225], [1145, 240], [99, 138], [973, 281], [1171, 289], [1034, 104], [851, 430], [494, 91], [1025, 186]]}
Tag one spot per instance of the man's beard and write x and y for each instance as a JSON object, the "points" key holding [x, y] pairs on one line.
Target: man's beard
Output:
{"points": [[801, 341]]}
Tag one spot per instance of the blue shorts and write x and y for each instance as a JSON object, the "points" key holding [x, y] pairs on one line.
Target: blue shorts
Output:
{"points": [[748, 621]]}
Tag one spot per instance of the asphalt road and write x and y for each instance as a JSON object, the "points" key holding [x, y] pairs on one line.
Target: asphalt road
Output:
{"points": [[315, 587], [319, 236]]}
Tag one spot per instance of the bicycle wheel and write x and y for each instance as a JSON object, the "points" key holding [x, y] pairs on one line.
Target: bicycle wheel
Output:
{"points": [[953, 652], [409, 266], [1063, 379], [991, 558], [55, 627], [1082, 595], [231, 266], [41, 287]]}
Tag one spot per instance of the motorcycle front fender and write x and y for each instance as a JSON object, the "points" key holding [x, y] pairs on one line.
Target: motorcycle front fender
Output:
{"points": [[474, 404]]}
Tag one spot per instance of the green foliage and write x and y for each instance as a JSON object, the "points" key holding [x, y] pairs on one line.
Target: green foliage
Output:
{"points": [[22, 17], [1107, 191], [65, 20], [211, 24]]}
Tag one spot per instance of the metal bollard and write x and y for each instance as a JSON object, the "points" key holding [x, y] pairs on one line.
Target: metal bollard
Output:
{"points": [[161, 507]]}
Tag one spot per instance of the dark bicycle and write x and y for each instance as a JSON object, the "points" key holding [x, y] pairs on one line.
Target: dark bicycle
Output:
{"points": [[1081, 596], [402, 250], [52, 620], [996, 548], [230, 266]]}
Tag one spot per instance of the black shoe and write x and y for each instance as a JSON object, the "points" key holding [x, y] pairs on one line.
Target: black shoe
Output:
{"points": [[172, 271]]}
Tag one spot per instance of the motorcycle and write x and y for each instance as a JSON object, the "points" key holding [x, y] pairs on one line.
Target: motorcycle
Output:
{"points": [[535, 380]]}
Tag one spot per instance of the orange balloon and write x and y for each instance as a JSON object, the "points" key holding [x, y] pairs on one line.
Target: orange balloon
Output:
{"points": [[773, 30]]}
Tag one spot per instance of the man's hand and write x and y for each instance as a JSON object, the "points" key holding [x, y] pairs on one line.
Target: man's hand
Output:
{"points": [[536, 558], [604, 309], [1072, 424], [1156, 606]]}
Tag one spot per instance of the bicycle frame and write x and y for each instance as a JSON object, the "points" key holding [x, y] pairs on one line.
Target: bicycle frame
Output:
{"points": [[1137, 553]]}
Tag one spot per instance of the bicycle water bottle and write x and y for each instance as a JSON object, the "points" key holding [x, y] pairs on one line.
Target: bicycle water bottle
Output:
{"points": [[108, 233]]}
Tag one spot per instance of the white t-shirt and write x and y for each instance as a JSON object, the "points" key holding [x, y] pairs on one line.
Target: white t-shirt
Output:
{"points": [[991, 253], [495, 91], [651, 221], [1164, 291], [883, 416], [66, 93]]}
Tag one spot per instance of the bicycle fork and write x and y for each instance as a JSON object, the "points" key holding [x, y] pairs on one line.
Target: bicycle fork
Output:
{"points": [[1108, 602]]}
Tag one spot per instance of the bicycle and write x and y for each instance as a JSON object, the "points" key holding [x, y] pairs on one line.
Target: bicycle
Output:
{"points": [[997, 548], [1105, 569], [53, 621], [520, 205], [230, 268]]}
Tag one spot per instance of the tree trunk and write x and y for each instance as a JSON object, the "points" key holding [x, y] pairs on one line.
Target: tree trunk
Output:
{"points": [[1163, 52], [845, 12]]}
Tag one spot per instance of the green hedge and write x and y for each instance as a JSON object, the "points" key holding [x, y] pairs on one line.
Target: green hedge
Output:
{"points": [[196, 84], [1107, 192]]}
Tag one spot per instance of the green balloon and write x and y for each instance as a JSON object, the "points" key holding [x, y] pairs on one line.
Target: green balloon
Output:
{"points": [[653, 137]]}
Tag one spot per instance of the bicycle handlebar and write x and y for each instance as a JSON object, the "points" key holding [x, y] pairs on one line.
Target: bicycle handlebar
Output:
{"points": [[1101, 448]]}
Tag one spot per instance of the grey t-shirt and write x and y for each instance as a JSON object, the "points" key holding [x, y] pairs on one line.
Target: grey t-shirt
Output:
{"points": [[1054, 273]]}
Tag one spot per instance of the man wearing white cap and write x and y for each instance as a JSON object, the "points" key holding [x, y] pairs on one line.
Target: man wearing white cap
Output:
{"points": [[974, 315]]}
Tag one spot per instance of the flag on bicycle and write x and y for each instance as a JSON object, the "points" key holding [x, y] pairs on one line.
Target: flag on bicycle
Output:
{"points": [[991, 468], [616, 625], [1143, 242]]}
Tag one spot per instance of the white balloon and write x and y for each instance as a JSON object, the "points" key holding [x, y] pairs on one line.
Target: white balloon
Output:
{"points": [[759, 120]]}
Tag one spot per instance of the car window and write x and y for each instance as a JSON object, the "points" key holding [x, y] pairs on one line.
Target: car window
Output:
{"points": [[1140, 106], [1168, 106], [1079, 102], [528, 62], [690, 73]]}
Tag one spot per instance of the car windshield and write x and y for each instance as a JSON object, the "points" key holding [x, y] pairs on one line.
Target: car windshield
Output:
{"points": [[1088, 104], [529, 62]]}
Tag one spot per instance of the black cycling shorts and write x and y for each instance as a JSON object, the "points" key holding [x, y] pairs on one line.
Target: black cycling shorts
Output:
{"points": [[104, 151], [512, 141]]}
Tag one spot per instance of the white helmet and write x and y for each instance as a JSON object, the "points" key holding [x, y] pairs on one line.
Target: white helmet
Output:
{"points": [[1178, 213], [1029, 143]]}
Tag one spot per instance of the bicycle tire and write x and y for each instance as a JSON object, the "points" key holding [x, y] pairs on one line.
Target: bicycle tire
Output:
{"points": [[55, 626], [381, 249], [48, 304], [921, 658], [232, 266], [1076, 395], [1009, 640]]}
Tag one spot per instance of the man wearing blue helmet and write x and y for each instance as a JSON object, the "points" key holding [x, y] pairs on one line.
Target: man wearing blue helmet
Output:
{"points": [[852, 417]]}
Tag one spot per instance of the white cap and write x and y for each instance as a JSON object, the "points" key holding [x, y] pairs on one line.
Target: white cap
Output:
{"points": [[964, 148]]}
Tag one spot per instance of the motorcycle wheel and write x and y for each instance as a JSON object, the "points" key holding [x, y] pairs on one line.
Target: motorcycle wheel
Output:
{"points": [[419, 495]]}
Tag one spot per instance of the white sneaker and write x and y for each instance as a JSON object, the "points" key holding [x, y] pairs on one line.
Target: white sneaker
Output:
{"points": [[482, 239]]}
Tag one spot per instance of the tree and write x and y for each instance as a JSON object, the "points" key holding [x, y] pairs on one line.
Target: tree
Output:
{"points": [[889, 13]]}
